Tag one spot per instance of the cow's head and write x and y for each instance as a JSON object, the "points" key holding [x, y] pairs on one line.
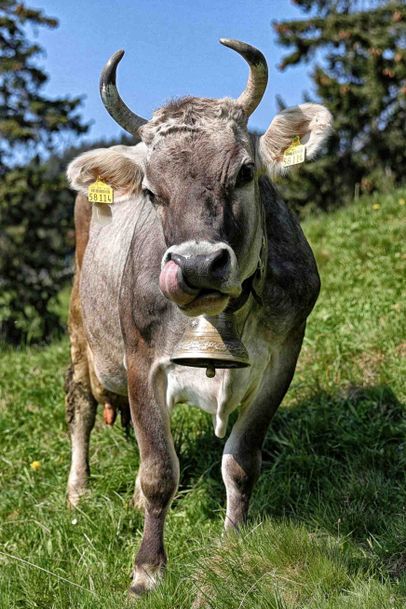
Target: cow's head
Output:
{"points": [[198, 167]]}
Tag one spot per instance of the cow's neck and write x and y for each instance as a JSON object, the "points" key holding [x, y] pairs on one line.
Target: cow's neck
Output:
{"points": [[254, 284]]}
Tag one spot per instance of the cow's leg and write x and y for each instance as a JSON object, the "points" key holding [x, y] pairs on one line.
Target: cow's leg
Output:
{"points": [[80, 404], [138, 500], [158, 475], [242, 454]]}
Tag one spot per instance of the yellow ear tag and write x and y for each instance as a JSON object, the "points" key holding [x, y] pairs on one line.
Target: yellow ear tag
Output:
{"points": [[295, 154], [100, 192]]}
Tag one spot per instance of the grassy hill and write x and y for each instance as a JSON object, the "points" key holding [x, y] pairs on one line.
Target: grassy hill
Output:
{"points": [[328, 520]]}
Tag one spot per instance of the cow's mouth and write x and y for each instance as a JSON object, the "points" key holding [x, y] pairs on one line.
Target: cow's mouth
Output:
{"points": [[206, 301], [190, 299]]}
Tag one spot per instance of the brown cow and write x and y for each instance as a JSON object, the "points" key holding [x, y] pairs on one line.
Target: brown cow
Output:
{"points": [[196, 229]]}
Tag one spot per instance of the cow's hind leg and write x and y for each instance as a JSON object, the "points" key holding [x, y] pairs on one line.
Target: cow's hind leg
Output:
{"points": [[242, 454], [157, 478], [80, 403]]}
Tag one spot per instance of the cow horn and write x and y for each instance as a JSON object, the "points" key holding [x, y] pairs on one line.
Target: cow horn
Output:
{"points": [[258, 76], [112, 100]]}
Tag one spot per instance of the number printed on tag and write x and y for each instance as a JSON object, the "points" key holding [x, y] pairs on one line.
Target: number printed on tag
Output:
{"points": [[100, 192], [295, 156], [100, 197]]}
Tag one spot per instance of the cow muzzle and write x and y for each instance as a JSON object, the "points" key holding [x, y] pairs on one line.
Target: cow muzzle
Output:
{"points": [[200, 277]]}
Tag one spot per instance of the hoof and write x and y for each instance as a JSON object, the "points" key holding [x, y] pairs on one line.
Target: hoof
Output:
{"points": [[145, 579], [135, 593], [75, 494], [73, 500]]}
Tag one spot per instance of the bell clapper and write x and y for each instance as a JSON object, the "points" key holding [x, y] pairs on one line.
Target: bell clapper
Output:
{"points": [[210, 371]]}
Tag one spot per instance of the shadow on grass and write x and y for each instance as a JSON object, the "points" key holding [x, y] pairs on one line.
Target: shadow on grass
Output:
{"points": [[335, 462], [339, 462]]}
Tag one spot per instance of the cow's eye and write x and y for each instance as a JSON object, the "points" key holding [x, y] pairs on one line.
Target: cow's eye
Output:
{"points": [[148, 193], [245, 175]]}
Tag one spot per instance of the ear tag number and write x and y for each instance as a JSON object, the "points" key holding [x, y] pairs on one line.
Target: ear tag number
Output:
{"points": [[295, 154], [100, 192]]}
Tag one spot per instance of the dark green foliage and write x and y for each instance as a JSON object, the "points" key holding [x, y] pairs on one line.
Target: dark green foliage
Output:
{"points": [[36, 242], [35, 205], [359, 73]]}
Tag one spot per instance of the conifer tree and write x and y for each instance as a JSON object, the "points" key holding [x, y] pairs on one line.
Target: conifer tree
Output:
{"points": [[36, 208], [358, 51], [29, 121]]}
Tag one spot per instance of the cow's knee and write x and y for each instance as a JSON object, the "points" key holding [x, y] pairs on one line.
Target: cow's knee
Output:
{"points": [[240, 471], [158, 491], [158, 480], [80, 415]]}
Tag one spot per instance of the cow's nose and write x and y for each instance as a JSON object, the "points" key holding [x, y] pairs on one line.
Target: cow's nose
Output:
{"points": [[205, 270]]}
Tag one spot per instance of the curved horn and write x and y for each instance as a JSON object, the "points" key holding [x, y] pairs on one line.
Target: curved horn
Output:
{"points": [[112, 100], [258, 76]]}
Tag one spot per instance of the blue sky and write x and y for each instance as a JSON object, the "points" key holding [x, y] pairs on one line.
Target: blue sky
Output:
{"points": [[171, 49]]}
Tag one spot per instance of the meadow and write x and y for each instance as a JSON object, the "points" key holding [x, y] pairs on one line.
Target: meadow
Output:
{"points": [[327, 526]]}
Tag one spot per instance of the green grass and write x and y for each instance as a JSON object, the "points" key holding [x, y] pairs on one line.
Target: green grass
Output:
{"points": [[328, 525]]}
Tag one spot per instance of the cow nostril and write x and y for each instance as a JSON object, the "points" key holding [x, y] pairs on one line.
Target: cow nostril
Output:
{"points": [[219, 262], [177, 259]]}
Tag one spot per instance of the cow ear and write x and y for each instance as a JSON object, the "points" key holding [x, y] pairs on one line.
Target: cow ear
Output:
{"points": [[119, 166], [311, 122]]}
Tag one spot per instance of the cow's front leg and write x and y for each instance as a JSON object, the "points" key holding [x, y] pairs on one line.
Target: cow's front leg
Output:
{"points": [[158, 475], [242, 456]]}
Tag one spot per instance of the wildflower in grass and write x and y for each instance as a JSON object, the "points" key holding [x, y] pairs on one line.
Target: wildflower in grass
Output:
{"points": [[402, 201], [376, 206], [36, 465]]}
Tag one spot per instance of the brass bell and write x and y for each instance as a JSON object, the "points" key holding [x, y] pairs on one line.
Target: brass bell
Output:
{"points": [[211, 342]]}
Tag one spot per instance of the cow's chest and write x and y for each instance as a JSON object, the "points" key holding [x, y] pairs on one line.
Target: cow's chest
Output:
{"points": [[222, 394]]}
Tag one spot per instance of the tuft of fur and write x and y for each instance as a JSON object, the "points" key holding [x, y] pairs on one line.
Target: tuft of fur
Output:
{"points": [[191, 114]]}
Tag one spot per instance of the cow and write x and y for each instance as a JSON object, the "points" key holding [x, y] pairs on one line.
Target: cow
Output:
{"points": [[196, 228]]}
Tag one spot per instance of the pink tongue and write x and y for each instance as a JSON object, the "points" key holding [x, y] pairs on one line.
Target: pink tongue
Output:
{"points": [[170, 284]]}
